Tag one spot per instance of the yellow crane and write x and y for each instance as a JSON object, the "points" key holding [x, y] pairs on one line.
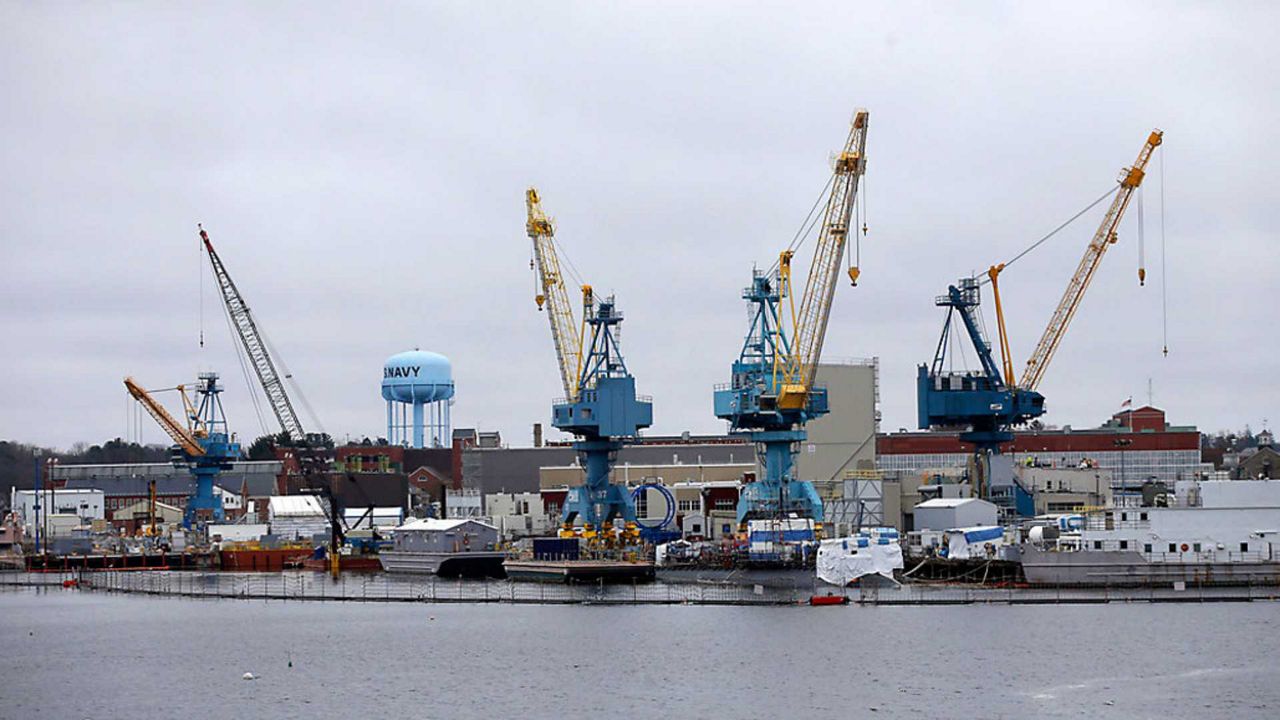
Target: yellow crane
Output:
{"points": [[185, 437], [553, 295], [1106, 236], [810, 324]]}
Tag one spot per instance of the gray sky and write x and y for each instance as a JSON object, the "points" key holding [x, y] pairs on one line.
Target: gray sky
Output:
{"points": [[361, 171]]}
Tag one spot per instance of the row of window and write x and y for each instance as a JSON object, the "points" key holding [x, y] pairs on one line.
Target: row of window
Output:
{"points": [[1126, 466], [1174, 547]]}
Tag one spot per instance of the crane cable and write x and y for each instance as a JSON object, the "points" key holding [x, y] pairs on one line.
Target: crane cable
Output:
{"points": [[200, 275], [806, 226], [1164, 276], [1142, 242], [986, 279]]}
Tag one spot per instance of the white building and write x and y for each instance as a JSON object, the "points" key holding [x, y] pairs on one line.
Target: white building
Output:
{"points": [[465, 503], [66, 509], [948, 513], [297, 517], [518, 514]]}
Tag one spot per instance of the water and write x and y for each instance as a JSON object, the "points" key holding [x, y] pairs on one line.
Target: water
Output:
{"points": [[71, 654]]}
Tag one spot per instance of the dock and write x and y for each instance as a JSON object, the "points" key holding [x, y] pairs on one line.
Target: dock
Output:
{"points": [[580, 572]]}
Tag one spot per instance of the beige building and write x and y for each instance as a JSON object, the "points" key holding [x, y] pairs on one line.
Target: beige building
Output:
{"points": [[845, 438], [553, 478], [1063, 490]]}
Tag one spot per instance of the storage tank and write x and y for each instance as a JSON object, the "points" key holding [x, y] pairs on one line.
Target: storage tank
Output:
{"points": [[418, 388]]}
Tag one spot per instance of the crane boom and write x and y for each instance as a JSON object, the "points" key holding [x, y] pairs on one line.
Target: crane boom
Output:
{"points": [[565, 331], [251, 339], [180, 434], [1130, 179], [819, 290]]}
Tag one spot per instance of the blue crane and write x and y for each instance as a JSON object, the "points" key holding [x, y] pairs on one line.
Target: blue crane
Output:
{"points": [[982, 402], [600, 405], [987, 404], [772, 393], [202, 445]]}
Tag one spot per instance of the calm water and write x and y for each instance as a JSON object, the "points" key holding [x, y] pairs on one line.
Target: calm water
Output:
{"points": [[83, 655]]}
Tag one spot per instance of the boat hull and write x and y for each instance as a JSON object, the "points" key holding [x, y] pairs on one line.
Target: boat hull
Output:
{"points": [[1127, 568], [461, 564]]}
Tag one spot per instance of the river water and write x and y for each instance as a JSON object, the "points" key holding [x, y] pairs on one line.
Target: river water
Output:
{"points": [[73, 655]]}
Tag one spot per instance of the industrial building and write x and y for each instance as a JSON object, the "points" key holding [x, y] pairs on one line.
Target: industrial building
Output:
{"points": [[61, 511], [845, 438], [245, 487], [1133, 446], [949, 513]]}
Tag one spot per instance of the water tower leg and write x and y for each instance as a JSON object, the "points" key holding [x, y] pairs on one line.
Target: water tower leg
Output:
{"points": [[391, 424], [417, 424]]}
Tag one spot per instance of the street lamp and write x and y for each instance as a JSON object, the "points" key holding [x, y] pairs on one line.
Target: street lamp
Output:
{"points": [[1123, 443]]}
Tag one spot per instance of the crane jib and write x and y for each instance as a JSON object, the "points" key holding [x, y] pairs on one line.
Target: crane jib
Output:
{"points": [[251, 340], [1106, 235], [815, 306]]}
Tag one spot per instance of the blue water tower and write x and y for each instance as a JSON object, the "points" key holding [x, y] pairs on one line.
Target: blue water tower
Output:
{"points": [[422, 381]]}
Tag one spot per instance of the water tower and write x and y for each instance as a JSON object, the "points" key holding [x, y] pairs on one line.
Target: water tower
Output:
{"points": [[424, 381]]}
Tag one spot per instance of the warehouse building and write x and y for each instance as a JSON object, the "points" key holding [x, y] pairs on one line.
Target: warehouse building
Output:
{"points": [[1133, 447]]}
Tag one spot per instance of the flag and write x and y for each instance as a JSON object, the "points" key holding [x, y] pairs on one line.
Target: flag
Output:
{"points": [[1127, 403]]}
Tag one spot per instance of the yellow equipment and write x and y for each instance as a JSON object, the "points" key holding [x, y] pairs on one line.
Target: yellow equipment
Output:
{"points": [[1130, 178], [181, 435], [810, 325], [553, 295]]}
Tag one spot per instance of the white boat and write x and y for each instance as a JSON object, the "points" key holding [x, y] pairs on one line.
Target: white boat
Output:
{"points": [[448, 548], [1223, 532]]}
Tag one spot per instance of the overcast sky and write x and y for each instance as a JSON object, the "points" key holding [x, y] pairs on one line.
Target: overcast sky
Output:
{"points": [[361, 171]]}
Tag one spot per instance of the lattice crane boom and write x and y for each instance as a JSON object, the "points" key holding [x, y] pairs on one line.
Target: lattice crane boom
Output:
{"points": [[815, 306], [255, 347], [553, 295], [1130, 179], [176, 430]]}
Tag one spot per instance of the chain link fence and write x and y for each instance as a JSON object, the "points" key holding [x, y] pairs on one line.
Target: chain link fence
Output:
{"points": [[312, 586]]}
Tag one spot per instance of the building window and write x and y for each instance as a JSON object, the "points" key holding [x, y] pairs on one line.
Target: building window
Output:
{"points": [[1124, 544], [1244, 547], [1097, 544], [1147, 548], [1173, 547], [1142, 516], [687, 505], [724, 504], [1196, 547]]}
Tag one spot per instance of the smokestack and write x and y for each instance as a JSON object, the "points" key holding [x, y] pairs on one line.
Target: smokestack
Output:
{"points": [[537, 434]]}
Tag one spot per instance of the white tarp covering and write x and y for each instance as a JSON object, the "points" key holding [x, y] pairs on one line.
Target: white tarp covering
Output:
{"points": [[872, 552], [973, 542]]}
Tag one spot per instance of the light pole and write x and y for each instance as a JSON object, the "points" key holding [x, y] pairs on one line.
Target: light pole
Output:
{"points": [[1123, 443]]}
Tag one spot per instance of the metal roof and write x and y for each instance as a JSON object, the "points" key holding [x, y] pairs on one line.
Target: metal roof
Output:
{"points": [[295, 506], [438, 525], [948, 502]]}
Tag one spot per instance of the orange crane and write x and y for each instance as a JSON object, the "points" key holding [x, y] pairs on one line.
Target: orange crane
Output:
{"points": [[183, 436]]}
